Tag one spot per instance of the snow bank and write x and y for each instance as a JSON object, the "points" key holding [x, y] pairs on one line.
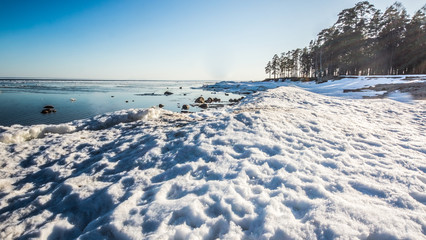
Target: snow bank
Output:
{"points": [[19, 134], [111, 119], [330, 88], [283, 164]]}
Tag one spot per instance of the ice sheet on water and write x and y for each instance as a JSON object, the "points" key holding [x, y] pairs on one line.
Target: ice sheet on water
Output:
{"points": [[284, 163]]}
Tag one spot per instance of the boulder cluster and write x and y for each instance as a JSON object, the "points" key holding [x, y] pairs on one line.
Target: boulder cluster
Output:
{"points": [[203, 103], [209, 100], [235, 100]]}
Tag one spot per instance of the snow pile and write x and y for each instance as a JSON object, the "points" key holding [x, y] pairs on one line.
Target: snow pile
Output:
{"points": [[19, 134], [108, 120], [282, 164]]}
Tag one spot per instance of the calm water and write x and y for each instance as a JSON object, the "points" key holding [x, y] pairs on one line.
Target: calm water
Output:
{"points": [[21, 101]]}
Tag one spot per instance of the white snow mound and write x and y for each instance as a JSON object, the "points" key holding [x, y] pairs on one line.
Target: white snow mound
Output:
{"points": [[19, 134]]}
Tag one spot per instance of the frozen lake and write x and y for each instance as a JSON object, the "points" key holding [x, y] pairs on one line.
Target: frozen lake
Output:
{"points": [[21, 101]]}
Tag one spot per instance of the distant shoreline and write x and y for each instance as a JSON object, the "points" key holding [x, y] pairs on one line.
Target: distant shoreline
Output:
{"points": [[416, 89]]}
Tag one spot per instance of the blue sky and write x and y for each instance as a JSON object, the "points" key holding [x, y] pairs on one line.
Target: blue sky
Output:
{"points": [[158, 39]]}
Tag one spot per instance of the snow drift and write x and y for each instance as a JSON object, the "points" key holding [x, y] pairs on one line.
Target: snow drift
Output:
{"points": [[283, 164], [18, 133], [330, 88]]}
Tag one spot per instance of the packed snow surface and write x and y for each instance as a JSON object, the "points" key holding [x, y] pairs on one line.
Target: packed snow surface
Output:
{"points": [[329, 88], [284, 163]]}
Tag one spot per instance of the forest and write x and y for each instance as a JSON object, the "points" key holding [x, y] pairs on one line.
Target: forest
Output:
{"points": [[363, 41]]}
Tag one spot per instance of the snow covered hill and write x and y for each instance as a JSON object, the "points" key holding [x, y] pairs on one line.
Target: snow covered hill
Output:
{"points": [[284, 163]]}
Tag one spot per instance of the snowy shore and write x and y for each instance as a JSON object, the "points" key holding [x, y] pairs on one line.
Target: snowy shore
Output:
{"points": [[284, 163]]}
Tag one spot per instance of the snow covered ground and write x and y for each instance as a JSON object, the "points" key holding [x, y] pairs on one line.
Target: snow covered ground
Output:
{"points": [[330, 88], [284, 163]]}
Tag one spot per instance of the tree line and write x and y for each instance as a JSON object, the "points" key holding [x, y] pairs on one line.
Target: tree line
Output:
{"points": [[363, 41]]}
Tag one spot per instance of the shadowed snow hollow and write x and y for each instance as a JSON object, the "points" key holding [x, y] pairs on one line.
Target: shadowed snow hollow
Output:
{"points": [[283, 164]]}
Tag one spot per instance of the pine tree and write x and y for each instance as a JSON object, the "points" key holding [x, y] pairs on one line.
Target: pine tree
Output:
{"points": [[282, 64], [268, 69], [305, 62], [414, 45], [394, 21], [275, 65]]}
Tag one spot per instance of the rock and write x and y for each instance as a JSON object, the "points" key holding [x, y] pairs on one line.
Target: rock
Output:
{"points": [[48, 110], [216, 99], [199, 100], [185, 107], [226, 94], [180, 87], [167, 93], [204, 106], [127, 101], [209, 100], [160, 105], [236, 99]]}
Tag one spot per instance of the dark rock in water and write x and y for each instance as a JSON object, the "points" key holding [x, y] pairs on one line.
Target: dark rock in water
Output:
{"points": [[184, 94], [167, 93], [199, 100], [209, 100], [226, 94], [127, 101], [185, 107], [204, 106], [48, 110], [180, 87], [148, 94], [112, 96], [160, 105], [216, 99]]}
